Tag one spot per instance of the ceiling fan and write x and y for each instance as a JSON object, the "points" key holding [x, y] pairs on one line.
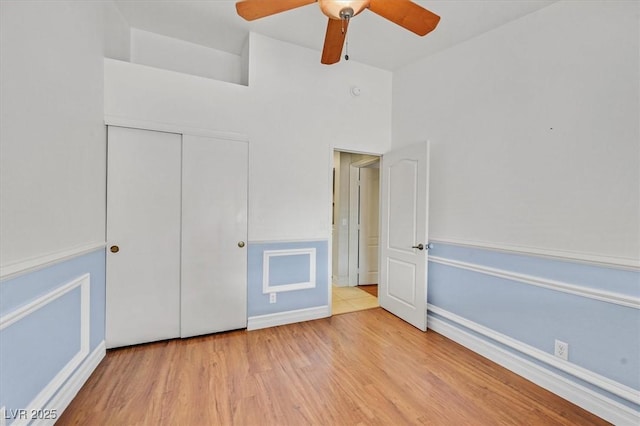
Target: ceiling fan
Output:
{"points": [[405, 13]]}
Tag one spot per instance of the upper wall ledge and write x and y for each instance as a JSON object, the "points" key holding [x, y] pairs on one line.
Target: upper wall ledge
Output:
{"points": [[241, 80]]}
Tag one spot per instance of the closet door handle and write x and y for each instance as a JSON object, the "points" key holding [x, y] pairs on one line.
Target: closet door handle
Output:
{"points": [[240, 244], [114, 249]]}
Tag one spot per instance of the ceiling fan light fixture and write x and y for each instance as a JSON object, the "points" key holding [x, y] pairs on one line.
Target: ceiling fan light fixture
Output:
{"points": [[342, 9], [405, 13]]}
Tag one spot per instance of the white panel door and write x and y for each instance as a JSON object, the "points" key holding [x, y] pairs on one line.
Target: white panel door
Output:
{"points": [[143, 234], [214, 233], [404, 219], [369, 224]]}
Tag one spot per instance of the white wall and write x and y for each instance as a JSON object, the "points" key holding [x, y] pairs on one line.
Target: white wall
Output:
{"points": [[294, 112], [177, 55], [160, 96], [116, 34], [52, 136], [302, 110], [535, 133]]}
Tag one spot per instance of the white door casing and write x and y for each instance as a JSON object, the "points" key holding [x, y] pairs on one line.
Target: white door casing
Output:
{"points": [[143, 222], [214, 226], [404, 225]]}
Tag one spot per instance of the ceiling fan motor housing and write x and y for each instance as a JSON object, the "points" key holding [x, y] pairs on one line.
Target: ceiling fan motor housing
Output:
{"points": [[346, 13], [342, 9]]}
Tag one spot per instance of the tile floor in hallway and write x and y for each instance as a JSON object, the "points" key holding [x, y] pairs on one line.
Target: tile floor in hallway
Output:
{"points": [[350, 299]]}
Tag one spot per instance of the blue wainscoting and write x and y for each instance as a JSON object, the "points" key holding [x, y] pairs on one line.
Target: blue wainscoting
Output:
{"points": [[297, 272], [51, 334], [520, 304]]}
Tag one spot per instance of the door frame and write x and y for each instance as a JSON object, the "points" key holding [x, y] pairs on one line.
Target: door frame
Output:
{"points": [[330, 210]]}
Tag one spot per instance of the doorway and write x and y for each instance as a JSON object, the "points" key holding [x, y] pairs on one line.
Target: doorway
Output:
{"points": [[356, 182]]}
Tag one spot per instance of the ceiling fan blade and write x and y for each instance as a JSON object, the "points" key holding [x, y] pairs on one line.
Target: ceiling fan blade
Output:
{"points": [[407, 14], [334, 40], [254, 9]]}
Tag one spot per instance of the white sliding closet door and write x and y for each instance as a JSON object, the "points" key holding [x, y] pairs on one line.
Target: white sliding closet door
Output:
{"points": [[143, 234], [214, 233]]}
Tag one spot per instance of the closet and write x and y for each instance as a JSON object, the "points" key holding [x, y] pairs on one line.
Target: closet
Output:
{"points": [[176, 233]]}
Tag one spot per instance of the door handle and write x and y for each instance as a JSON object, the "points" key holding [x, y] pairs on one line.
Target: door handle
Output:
{"points": [[240, 244], [423, 247], [114, 249]]}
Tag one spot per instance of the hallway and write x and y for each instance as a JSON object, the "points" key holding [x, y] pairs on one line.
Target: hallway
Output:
{"points": [[351, 299]]}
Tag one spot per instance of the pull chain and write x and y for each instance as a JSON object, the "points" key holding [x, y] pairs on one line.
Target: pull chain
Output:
{"points": [[346, 56]]}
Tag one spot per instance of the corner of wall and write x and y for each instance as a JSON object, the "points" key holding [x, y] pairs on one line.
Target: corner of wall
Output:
{"points": [[245, 62], [511, 306]]}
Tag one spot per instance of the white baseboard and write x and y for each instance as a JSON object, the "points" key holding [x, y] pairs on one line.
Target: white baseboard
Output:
{"points": [[70, 389], [591, 401], [288, 317]]}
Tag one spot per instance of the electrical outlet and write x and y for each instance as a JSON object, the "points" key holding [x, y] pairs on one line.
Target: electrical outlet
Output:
{"points": [[272, 297], [561, 350]]}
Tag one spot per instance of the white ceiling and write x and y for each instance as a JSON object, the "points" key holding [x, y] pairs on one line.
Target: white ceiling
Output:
{"points": [[372, 39]]}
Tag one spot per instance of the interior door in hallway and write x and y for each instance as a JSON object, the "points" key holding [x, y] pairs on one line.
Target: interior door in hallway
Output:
{"points": [[368, 225], [404, 220], [143, 235]]}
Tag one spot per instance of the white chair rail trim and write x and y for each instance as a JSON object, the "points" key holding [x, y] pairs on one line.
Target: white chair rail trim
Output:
{"points": [[591, 293]]}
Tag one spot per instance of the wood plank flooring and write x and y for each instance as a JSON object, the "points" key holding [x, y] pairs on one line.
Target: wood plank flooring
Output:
{"points": [[372, 289], [361, 368]]}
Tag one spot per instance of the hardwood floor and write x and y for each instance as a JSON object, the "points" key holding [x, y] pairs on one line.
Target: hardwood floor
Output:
{"points": [[372, 289], [361, 368]]}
